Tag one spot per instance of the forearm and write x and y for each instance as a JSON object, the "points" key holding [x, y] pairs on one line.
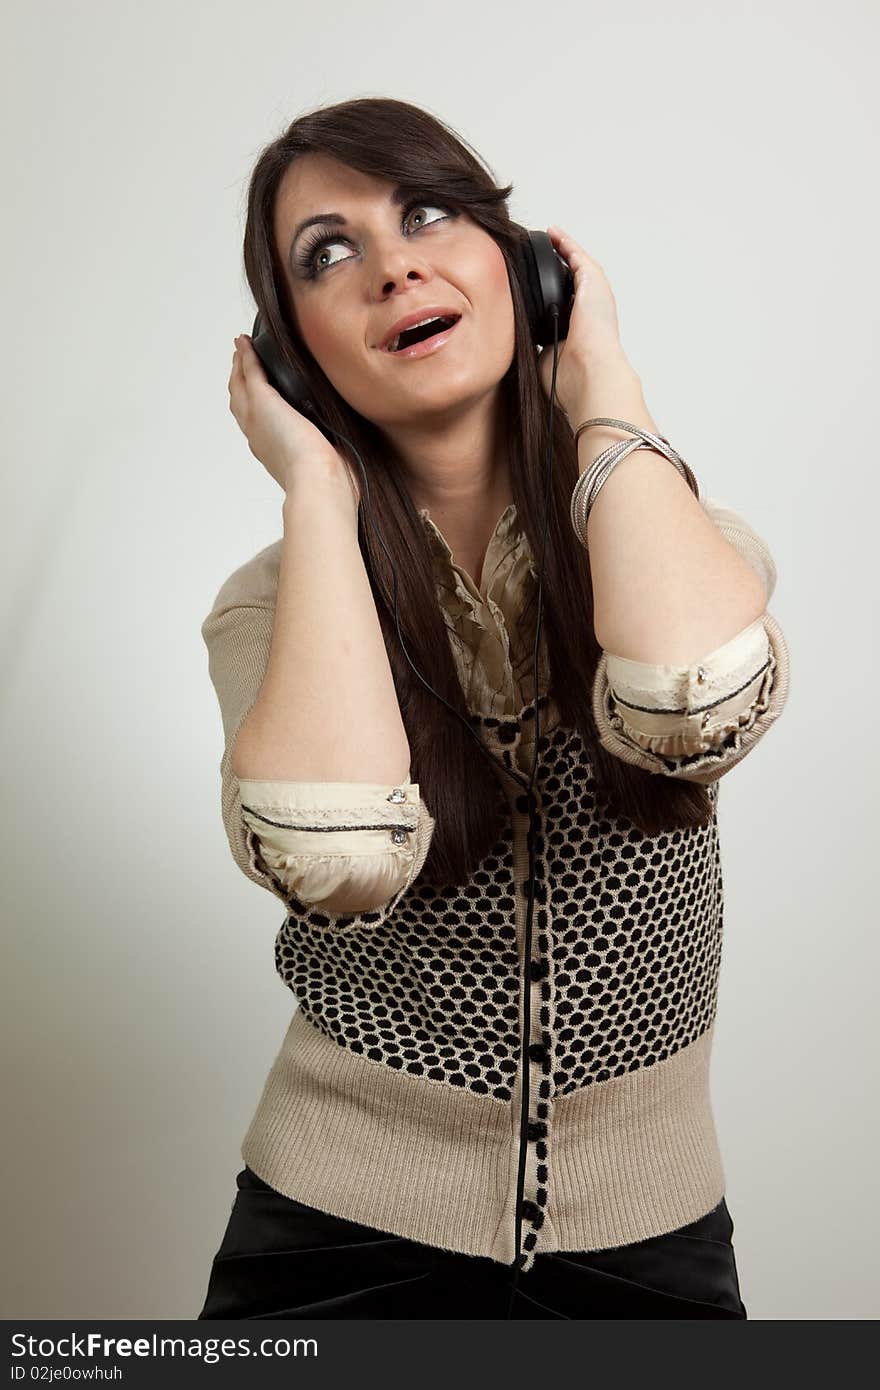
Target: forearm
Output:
{"points": [[667, 586], [327, 709]]}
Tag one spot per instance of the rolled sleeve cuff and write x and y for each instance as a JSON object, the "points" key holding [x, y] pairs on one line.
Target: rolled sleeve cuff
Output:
{"points": [[694, 721], [339, 847]]}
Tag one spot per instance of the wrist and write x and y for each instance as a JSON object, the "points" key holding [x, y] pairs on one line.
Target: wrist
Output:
{"points": [[321, 486], [611, 386], [615, 393]]}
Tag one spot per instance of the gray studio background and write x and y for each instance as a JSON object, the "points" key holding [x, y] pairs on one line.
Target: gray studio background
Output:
{"points": [[716, 161]]}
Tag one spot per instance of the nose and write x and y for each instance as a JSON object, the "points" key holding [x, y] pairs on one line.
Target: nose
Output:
{"points": [[389, 285], [396, 269]]}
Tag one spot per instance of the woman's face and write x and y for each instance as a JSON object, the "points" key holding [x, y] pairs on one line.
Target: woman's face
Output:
{"points": [[391, 259]]}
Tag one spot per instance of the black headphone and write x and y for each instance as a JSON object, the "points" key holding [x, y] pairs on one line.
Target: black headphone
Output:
{"points": [[547, 285]]}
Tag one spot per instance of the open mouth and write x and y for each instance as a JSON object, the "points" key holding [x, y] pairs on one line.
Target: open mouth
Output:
{"points": [[416, 342]]}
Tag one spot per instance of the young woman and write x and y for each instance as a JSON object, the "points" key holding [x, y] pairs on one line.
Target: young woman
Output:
{"points": [[493, 1097]]}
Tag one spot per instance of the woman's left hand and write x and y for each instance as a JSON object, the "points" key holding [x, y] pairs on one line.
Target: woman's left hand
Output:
{"points": [[593, 332]]}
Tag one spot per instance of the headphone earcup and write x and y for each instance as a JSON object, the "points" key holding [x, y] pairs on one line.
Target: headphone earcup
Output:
{"points": [[546, 279], [286, 380]]}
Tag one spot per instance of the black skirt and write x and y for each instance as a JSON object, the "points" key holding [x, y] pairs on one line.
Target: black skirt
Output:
{"points": [[282, 1259]]}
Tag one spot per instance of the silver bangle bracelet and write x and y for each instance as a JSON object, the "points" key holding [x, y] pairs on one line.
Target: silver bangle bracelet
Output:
{"points": [[590, 482]]}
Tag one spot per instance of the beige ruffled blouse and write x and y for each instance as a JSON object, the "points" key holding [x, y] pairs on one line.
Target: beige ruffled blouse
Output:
{"points": [[339, 845]]}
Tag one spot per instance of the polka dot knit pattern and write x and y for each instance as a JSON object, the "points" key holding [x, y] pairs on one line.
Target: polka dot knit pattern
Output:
{"points": [[631, 927], [433, 992]]}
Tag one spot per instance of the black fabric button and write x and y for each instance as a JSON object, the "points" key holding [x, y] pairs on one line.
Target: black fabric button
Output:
{"points": [[537, 1052], [522, 804], [537, 1129], [529, 1209], [537, 969]]}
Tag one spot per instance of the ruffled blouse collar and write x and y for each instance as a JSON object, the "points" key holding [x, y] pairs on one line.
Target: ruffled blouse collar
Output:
{"points": [[493, 651]]}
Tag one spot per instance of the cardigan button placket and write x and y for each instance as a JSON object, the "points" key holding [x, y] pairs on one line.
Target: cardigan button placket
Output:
{"points": [[515, 745], [534, 1232]]}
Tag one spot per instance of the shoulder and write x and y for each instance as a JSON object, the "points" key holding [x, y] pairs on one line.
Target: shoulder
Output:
{"points": [[253, 584]]}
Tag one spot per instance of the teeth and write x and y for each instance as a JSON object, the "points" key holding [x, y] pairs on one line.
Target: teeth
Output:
{"points": [[434, 318]]}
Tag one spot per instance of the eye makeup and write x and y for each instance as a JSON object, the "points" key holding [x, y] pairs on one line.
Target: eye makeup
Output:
{"points": [[305, 259]]}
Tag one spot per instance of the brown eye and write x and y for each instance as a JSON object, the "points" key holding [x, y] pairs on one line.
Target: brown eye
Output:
{"points": [[420, 207]]}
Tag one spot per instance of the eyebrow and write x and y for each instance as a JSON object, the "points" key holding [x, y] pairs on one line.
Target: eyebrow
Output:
{"points": [[335, 219]]}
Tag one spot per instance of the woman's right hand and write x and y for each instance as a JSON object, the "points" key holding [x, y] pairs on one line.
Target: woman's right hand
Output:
{"points": [[285, 441]]}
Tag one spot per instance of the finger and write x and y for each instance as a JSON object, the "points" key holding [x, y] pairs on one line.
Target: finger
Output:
{"points": [[246, 349], [571, 253], [251, 364], [567, 246], [557, 234], [577, 257], [242, 357]]}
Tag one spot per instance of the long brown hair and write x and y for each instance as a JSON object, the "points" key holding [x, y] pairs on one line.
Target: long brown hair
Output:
{"points": [[397, 141]]}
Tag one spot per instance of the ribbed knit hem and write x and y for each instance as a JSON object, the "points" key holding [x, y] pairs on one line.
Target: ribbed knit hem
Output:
{"points": [[629, 1158], [636, 1156], [413, 1157]]}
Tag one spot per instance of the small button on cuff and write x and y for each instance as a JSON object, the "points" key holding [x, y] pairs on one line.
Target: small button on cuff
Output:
{"points": [[397, 794], [702, 674], [398, 837]]}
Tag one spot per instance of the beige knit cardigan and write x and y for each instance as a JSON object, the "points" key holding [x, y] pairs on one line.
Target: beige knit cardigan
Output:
{"points": [[394, 1099]]}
